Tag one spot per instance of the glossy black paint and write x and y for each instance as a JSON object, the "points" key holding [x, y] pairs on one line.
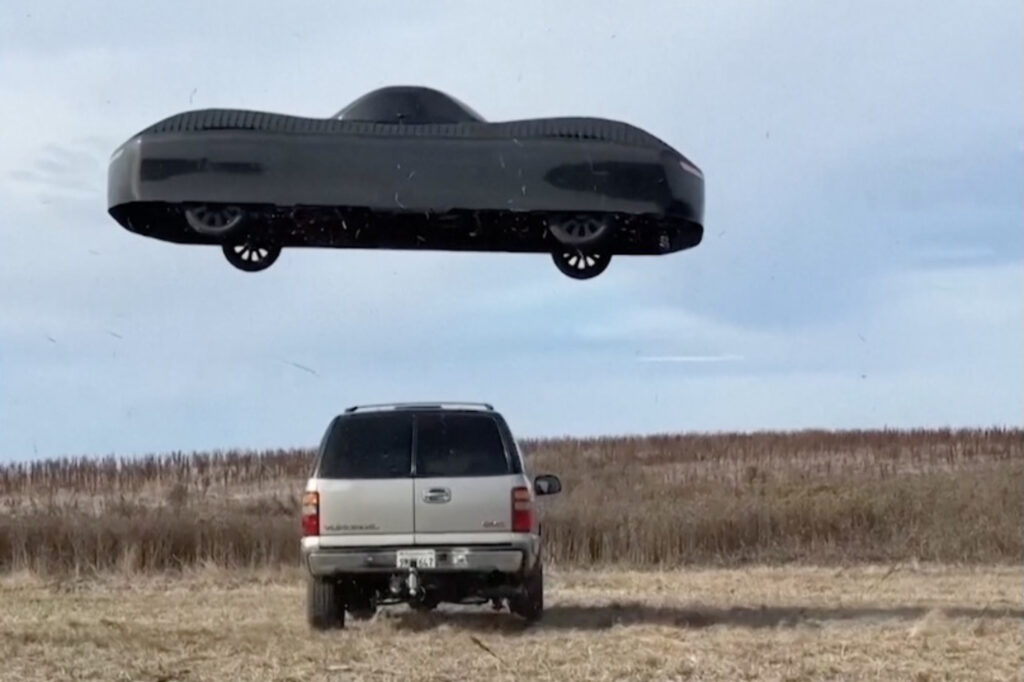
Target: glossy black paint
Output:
{"points": [[409, 104], [407, 168]]}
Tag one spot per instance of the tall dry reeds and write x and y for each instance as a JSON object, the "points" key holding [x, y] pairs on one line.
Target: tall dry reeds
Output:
{"points": [[662, 500]]}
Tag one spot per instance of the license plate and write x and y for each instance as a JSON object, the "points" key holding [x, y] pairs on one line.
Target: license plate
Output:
{"points": [[416, 558]]}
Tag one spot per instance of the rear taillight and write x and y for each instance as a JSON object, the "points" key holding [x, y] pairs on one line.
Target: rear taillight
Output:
{"points": [[310, 514], [522, 510]]}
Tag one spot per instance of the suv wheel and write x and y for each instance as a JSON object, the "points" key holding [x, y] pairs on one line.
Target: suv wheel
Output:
{"points": [[324, 609], [530, 605]]}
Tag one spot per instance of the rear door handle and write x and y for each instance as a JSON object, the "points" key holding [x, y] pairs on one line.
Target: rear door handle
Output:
{"points": [[437, 495]]}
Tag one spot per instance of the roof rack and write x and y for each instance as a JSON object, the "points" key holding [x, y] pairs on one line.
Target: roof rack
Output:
{"points": [[442, 405]]}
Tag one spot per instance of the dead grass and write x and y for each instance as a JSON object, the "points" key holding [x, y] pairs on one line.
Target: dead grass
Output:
{"points": [[657, 501], [907, 622]]}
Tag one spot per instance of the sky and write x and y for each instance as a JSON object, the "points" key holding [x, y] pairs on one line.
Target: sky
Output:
{"points": [[861, 267]]}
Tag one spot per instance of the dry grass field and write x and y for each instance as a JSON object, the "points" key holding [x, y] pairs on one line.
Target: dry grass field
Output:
{"points": [[659, 501], [864, 555], [901, 622]]}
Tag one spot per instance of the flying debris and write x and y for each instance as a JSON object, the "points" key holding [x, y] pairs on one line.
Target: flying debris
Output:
{"points": [[407, 167]]}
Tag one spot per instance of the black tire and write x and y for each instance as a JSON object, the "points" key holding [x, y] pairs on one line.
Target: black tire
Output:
{"points": [[580, 230], [214, 220], [530, 605], [581, 264], [324, 610], [251, 255]]}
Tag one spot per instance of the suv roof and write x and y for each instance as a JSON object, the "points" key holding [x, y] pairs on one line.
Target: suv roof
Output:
{"points": [[442, 405]]}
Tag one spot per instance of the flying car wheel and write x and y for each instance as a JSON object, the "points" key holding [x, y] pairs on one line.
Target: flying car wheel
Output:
{"points": [[213, 221], [581, 264], [579, 230], [251, 255]]}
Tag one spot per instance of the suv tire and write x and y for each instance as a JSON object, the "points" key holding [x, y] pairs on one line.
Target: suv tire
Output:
{"points": [[324, 609], [530, 605]]}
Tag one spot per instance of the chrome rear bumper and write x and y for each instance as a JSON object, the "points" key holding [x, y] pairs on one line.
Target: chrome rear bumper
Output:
{"points": [[331, 561]]}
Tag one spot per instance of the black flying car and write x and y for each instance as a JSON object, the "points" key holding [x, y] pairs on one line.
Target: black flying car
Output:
{"points": [[407, 168]]}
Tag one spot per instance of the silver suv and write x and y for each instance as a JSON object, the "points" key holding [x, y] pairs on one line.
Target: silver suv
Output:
{"points": [[422, 504]]}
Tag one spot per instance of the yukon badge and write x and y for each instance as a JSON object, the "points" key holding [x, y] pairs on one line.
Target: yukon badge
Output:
{"points": [[342, 527]]}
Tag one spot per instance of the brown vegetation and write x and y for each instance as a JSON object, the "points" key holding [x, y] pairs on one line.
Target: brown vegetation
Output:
{"points": [[667, 500]]}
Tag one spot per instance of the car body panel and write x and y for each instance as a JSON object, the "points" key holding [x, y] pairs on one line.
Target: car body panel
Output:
{"points": [[475, 505], [406, 182], [402, 174], [376, 510]]}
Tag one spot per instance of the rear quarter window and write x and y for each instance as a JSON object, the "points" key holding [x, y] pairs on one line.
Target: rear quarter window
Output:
{"points": [[454, 445], [368, 446]]}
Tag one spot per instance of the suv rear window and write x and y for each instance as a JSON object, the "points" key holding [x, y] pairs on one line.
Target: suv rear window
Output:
{"points": [[368, 446], [451, 445]]}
